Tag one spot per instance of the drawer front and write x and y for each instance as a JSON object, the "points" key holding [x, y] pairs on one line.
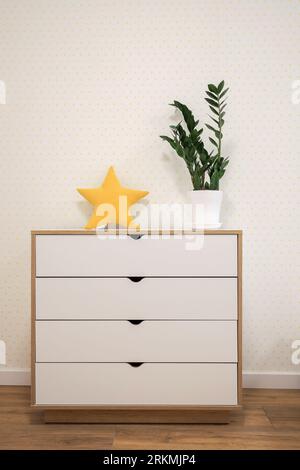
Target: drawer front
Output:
{"points": [[149, 384], [149, 341], [91, 255], [151, 298]]}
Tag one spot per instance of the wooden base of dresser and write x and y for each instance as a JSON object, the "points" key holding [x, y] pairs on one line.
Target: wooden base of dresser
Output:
{"points": [[138, 416]]}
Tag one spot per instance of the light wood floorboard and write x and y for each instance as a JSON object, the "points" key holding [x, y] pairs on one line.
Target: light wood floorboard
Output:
{"points": [[270, 419]]}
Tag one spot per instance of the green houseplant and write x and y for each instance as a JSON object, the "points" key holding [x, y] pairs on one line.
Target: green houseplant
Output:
{"points": [[206, 168]]}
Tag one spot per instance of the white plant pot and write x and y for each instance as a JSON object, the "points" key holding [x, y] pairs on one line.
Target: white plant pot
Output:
{"points": [[206, 208]]}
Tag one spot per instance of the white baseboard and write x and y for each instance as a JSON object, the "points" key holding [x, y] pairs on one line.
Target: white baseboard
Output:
{"points": [[288, 380], [14, 376]]}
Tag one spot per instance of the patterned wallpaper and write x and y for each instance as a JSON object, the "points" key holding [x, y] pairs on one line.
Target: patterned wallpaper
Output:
{"points": [[88, 85]]}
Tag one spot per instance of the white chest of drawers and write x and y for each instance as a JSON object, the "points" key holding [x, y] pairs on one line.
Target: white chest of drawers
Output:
{"points": [[136, 330]]}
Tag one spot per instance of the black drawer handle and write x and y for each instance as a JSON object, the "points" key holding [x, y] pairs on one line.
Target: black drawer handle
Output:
{"points": [[136, 279], [135, 364], [135, 236], [135, 322]]}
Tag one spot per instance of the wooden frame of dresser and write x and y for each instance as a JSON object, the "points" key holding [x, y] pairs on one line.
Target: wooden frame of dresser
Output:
{"points": [[137, 413]]}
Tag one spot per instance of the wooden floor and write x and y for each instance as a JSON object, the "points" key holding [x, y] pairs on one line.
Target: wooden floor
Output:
{"points": [[270, 419]]}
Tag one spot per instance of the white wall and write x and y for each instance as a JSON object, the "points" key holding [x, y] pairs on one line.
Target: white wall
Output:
{"points": [[87, 85]]}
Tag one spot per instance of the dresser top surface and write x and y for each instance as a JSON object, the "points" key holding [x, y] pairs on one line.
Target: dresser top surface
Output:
{"points": [[133, 232]]}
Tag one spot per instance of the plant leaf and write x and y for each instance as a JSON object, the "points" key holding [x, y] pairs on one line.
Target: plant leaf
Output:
{"points": [[213, 88], [187, 114], [211, 128], [214, 180], [175, 145], [223, 93], [165, 137], [213, 141], [212, 102], [213, 110], [215, 120], [212, 95], [221, 86], [204, 157]]}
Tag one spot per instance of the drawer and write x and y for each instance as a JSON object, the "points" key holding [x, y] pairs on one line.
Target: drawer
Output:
{"points": [[104, 255], [149, 384], [151, 298], [149, 341]]}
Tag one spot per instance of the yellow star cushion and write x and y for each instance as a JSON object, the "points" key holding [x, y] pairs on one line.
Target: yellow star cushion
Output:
{"points": [[111, 201]]}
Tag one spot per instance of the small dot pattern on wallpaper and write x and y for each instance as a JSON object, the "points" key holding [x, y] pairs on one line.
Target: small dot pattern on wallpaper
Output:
{"points": [[88, 84]]}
